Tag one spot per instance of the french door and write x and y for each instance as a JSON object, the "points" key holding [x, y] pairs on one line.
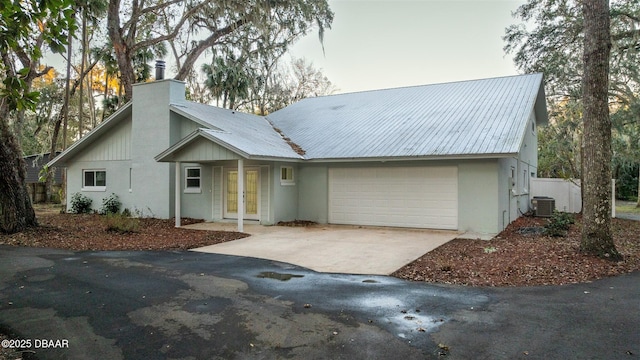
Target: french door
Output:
{"points": [[251, 194]]}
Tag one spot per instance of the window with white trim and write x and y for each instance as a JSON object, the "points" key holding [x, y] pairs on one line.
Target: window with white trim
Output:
{"points": [[525, 182], [94, 180], [192, 180], [286, 175]]}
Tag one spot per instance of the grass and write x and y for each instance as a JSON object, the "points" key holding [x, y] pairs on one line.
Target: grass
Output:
{"points": [[628, 208]]}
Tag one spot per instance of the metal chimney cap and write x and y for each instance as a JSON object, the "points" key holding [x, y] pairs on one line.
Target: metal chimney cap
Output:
{"points": [[160, 66]]}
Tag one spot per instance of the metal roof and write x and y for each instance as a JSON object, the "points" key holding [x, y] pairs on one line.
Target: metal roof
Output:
{"points": [[247, 134], [478, 118], [469, 118]]}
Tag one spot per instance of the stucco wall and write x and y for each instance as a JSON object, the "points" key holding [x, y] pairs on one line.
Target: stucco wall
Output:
{"points": [[515, 187], [151, 134], [478, 209], [117, 182], [197, 205], [285, 197], [313, 192]]}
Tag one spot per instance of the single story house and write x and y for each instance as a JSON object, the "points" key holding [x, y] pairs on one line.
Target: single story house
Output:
{"points": [[454, 156]]}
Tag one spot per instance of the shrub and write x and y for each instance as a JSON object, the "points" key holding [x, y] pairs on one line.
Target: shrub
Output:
{"points": [[110, 205], [80, 204], [122, 224], [559, 223]]}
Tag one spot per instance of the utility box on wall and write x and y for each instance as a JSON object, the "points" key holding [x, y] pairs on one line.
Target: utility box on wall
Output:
{"points": [[543, 206]]}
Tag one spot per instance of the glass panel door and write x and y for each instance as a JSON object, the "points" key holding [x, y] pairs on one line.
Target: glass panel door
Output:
{"points": [[251, 194], [232, 193]]}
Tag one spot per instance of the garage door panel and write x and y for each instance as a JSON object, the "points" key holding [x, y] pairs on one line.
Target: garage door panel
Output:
{"points": [[406, 196]]}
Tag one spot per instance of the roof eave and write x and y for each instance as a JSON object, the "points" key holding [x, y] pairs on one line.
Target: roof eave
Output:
{"points": [[540, 107], [416, 158], [168, 155]]}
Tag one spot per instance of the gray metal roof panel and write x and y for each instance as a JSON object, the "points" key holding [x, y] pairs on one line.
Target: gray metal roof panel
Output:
{"points": [[462, 118], [249, 133]]}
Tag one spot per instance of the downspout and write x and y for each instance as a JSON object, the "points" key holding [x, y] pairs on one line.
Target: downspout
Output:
{"points": [[178, 187], [518, 188]]}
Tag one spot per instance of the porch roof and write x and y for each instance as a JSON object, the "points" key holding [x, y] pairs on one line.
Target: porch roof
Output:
{"points": [[205, 145], [247, 135]]}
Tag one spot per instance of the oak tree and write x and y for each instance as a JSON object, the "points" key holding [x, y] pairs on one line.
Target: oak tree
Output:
{"points": [[25, 27]]}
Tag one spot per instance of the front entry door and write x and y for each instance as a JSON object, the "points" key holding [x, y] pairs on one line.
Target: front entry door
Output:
{"points": [[251, 196]]}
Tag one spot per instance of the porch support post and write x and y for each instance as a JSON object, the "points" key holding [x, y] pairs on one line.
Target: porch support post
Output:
{"points": [[240, 195], [178, 176]]}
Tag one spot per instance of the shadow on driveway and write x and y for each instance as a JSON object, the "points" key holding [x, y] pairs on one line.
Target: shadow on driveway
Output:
{"points": [[175, 305]]}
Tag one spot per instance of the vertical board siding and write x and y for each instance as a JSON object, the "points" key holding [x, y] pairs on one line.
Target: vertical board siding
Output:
{"points": [[114, 146], [205, 150]]}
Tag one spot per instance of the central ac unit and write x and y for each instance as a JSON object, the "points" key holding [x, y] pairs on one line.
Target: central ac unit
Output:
{"points": [[543, 206]]}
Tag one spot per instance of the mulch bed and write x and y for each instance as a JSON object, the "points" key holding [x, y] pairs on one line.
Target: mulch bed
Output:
{"points": [[523, 256], [90, 232]]}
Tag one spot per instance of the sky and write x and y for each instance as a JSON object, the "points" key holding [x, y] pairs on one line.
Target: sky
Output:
{"points": [[378, 44]]}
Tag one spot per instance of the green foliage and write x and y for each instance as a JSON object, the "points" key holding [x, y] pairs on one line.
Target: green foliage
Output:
{"points": [[110, 205], [122, 224], [549, 39], [80, 204], [559, 142], [24, 27], [559, 223], [626, 175], [229, 78]]}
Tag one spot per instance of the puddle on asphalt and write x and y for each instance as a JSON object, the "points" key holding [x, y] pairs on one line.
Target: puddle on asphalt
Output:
{"points": [[277, 276]]}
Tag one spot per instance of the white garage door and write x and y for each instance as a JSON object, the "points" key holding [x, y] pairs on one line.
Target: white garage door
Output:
{"points": [[421, 197]]}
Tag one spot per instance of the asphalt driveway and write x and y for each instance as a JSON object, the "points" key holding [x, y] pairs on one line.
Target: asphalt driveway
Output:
{"points": [[331, 248], [188, 305]]}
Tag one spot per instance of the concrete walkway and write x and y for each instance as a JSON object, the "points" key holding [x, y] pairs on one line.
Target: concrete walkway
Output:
{"points": [[331, 248]]}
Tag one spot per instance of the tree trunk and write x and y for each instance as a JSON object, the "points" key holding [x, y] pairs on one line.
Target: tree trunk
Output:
{"points": [[83, 49], [596, 223], [106, 91], [638, 203], [16, 212], [121, 48], [65, 124]]}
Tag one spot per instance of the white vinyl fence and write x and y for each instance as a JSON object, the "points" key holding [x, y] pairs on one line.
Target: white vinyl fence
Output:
{"points": [[567, 193]]}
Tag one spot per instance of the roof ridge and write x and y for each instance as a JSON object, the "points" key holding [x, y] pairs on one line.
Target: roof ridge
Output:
{"points": [[419, 86]]}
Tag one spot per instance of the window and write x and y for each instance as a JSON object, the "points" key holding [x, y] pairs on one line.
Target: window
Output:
{"points": [[525, 182], [192, 180], [286, 175], [94, 180]]}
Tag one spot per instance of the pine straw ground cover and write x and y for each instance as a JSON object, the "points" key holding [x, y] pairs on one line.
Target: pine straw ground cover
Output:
{"points": [[525, 258], [91, 232]]}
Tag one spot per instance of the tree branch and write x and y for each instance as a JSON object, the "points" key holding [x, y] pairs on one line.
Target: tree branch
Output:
{"points": [[148, 10], [150, 42], [625, 35], [616, 13], [205, 44]]}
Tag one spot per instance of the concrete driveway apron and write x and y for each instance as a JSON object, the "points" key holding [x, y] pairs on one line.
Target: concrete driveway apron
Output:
{"points": [[331, 248]]}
